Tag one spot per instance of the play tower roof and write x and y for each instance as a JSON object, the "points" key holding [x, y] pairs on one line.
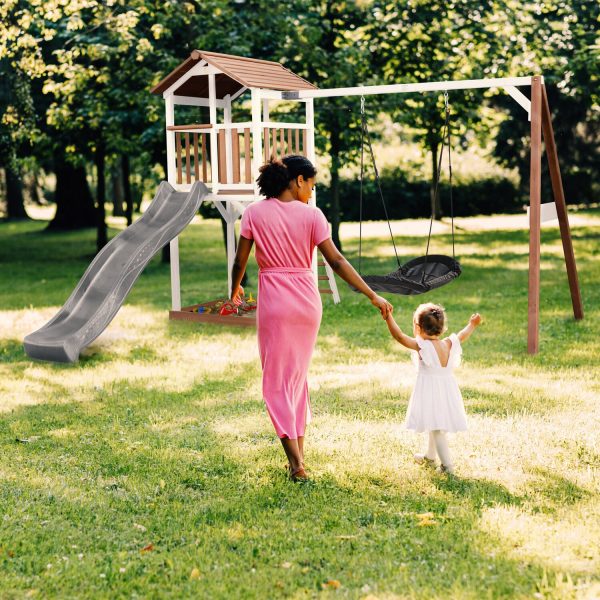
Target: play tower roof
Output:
{"points": [[235, 73]]}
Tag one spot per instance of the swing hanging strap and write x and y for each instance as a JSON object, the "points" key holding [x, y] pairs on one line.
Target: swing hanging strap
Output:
{"points": [[364, 135], [445, 141]]}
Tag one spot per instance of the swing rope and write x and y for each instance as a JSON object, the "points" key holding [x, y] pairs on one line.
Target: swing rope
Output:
{"points": [[445, 140], [365, 134]]}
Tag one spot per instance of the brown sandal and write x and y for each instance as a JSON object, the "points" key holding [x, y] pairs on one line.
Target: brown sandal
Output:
{"points": [[298, 475]]}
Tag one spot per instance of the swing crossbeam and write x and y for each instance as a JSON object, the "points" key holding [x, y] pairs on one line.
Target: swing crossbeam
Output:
{"points": [[404, 88]]}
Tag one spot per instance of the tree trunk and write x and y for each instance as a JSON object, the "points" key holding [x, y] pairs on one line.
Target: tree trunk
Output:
{"points": [[74, 201], [100, 158], [127, 188], [33, 189], [165, 255], [436, 207], [15, 206], [334, 216], [118, 194]]}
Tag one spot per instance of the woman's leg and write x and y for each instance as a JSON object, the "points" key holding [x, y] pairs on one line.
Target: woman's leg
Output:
{"points": [[293, 453], [301, 447], [441, 445]]}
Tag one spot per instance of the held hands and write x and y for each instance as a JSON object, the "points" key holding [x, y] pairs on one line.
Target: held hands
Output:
{"points": [[237, 294], [475, 320], [383, 305]]}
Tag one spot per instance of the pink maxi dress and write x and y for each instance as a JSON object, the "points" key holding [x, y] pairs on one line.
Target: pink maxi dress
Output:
{"points": [[289, 304]]}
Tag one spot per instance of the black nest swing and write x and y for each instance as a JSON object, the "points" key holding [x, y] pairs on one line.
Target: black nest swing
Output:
{"points": [[424, 273]]}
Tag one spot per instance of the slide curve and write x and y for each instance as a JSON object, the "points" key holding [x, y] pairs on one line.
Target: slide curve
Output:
{"points": [[107, 281]]}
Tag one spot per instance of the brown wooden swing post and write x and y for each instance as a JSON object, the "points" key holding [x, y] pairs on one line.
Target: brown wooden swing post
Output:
{"points": [[541, 123]]}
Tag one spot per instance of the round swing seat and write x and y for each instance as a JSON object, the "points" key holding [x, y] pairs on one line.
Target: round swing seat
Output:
{"points": [[417, 276]]}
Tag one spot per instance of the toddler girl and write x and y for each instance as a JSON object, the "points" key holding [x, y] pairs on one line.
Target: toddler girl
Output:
{"points": [[436, 403]]}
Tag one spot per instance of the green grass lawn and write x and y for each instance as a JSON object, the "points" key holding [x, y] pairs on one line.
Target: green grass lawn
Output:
{"points": [[151, 469]]}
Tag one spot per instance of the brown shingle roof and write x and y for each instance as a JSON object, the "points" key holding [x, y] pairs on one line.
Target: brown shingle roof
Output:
{"points": [[238, 72]]}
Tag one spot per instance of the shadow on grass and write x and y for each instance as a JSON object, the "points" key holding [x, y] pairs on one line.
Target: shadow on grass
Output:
{"points": [[202, 499]]}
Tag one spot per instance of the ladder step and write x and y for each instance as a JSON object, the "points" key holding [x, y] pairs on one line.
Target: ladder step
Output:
{"points": [[321, 263], [325, 291], [323, 278]]}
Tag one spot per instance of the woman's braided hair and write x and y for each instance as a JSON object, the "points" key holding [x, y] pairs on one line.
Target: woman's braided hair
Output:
{"points": [[275, 175]]}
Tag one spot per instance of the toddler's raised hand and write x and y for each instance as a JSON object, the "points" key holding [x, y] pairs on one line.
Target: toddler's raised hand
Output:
{"points": [[475, 319]]}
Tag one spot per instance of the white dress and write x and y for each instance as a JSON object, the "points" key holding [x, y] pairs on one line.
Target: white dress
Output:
{"points": [[436, 402]]}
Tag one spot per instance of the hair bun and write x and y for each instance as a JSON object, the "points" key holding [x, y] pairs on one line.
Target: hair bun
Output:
{"points": [[276, 174]]}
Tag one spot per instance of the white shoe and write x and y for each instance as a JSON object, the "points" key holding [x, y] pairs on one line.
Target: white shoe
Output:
{"points": [[446, 469], [423, 459]]}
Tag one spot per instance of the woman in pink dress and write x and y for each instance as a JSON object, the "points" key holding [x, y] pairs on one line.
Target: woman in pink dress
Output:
{"points": [[286, 229]]}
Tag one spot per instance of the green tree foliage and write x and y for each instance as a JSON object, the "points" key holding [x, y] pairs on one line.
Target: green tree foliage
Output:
{"points": [[560, 40]]}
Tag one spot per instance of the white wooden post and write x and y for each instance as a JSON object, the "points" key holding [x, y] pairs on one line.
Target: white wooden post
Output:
{"points": [[214, 154], [172, 178], [256, 137], [228, 141], [231, 212], [310, 154], [232, 218]]}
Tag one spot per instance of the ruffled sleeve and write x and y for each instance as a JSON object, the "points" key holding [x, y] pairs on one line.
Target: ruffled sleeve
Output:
{"points": [[426, 353], [455, 351]]}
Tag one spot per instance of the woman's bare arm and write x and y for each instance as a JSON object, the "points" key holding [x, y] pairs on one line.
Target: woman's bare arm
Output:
{"points": [[400, 336], [346, 271], [239, 266]]}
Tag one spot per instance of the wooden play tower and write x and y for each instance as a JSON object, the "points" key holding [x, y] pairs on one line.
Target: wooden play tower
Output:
{"points": [[225, 155]]}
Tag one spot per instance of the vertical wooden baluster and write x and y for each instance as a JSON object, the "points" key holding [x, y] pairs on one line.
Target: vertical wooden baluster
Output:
{"points": [[304, 136], [282, 142], [290, 150], [235, 155], [222, 157], [204, 159], [248, 156], [188, 173], [297, 148], [274, 144], [178, 146], [267, 145], [196, 158]]}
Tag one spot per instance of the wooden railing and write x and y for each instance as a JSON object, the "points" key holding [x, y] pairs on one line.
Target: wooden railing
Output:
{"points": [[241, 155], [194, 160], [282, 140], [191, 141]]}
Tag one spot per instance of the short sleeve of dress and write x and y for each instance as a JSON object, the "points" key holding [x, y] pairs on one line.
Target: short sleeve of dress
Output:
{"points": [[246, 225], [426, 353], [320, 231]]}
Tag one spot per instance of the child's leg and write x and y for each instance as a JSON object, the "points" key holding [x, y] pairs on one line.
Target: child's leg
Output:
{"points": [[441, 445], [430, 454], [429, 457]]}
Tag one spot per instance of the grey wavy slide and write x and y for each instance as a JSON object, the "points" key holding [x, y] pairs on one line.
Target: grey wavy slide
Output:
{"points": [[104, 286]]}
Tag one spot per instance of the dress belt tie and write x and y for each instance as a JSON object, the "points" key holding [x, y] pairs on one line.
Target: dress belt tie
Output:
{"points": [[285, 270]]}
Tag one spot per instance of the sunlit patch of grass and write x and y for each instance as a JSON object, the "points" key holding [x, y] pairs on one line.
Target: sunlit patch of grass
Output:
{"points": [[158, 437]]}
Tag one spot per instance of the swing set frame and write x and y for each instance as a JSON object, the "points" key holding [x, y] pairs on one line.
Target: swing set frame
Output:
{"points": [[541, 128]]}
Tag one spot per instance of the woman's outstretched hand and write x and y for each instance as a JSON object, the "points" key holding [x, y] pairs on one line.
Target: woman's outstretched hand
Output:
{"points": [[383, 305], [237, 294]]}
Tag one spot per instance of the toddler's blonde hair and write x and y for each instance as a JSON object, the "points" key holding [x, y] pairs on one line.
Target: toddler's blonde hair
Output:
{"points": [[431, 318]]}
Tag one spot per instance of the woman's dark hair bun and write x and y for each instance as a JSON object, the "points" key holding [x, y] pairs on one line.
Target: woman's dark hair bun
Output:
{"points": [[275, 175]]}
